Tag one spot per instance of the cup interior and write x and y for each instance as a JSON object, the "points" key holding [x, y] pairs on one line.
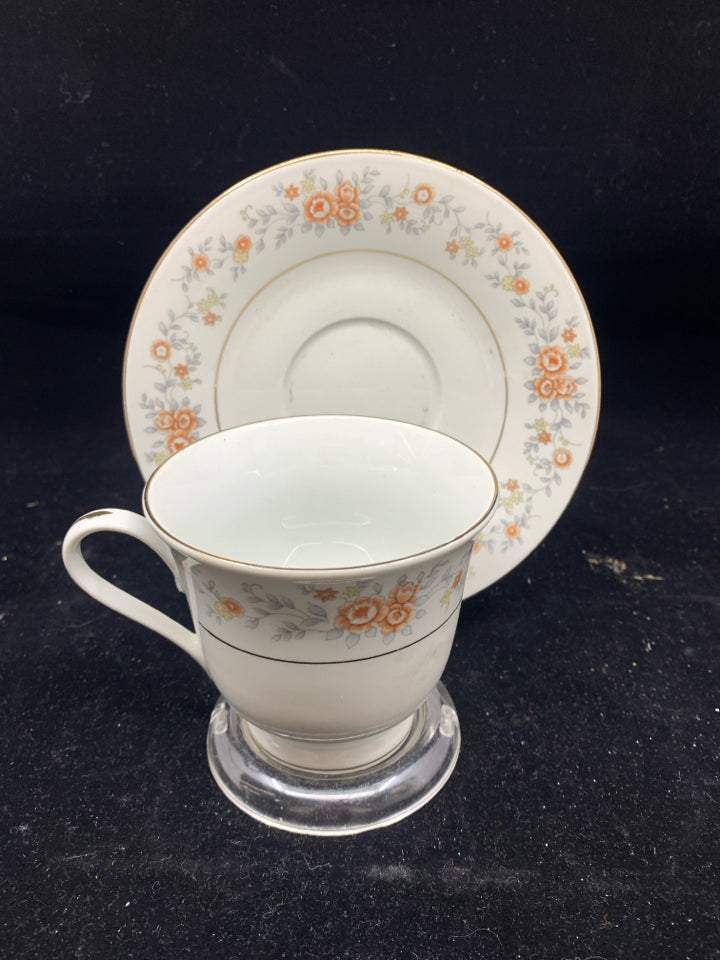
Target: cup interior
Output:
{"points": [[321, 492]]}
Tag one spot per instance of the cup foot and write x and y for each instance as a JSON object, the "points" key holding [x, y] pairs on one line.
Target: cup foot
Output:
{"points": [[335, 802]]}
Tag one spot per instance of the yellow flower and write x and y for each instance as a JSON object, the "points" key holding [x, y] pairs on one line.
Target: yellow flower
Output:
{"points": [[512, 498], [508, 282], [387, 217], [574, 350], [540, 424], [160, 457], [307, 185], [241, 256], [210, 301], [353, 591], [445, 598], [469, 247], [186, 383]]}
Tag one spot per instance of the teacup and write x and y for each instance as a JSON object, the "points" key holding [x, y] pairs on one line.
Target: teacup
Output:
{"points": [[323, 559]]}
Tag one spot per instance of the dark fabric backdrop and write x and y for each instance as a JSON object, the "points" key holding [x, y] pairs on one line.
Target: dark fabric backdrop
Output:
{"points": [[600, 121], [582, 820]]}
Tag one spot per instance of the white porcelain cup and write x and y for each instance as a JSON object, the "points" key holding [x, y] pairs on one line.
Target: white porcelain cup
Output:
{"points": [[323, 559]]}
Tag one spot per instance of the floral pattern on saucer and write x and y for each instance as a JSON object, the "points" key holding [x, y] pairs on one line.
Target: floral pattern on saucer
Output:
{"points": [[364, 610], [395, 202], [556, 360], [313, 205]]}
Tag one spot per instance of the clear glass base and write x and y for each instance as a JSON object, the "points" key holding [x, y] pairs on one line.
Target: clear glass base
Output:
{"points": [[334, 802]]}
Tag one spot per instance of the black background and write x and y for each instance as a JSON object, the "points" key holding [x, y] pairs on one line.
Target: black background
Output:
{"points": [[582, 820], [599, 121]]}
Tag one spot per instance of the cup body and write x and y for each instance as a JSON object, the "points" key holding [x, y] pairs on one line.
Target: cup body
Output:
{"points": [[334, 655], [323, 559]]}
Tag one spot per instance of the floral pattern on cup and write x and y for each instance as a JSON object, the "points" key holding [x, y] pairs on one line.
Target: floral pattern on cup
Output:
{"points": [[362, 610]]}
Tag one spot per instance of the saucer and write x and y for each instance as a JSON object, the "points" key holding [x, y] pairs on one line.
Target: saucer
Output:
{"points": [[382, 284]]}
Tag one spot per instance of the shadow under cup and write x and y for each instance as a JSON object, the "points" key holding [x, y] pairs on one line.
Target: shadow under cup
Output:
{"points": [[324, 560]]}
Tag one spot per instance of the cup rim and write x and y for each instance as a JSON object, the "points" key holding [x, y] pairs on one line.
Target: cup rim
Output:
{"points": [[293, 572]]}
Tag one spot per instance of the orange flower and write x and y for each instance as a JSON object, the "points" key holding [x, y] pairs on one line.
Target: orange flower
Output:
{"points": [[185, 419], [423, 193], [505, 241], [477, 545], [181, 370], [347, 192], [243, 243], [457, 580], [452, 246], [521, 285], [165, 420], [320, 207], [326, 593], [292, 191], [401, 213], [359, 615], [180, 422], [568, 335], [562, 457], [347, 214], [512, 530], [232, 606], [228, 608], [201, 261], [161, 350], [545, 387], [177, 440], [565, 386], [210, 318], [544, 436], [552, 360], [397, 614], [404, 592], [513, 484]]}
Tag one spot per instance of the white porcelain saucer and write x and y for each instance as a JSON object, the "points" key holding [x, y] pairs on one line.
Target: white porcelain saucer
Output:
{"points": [[374, 283]]}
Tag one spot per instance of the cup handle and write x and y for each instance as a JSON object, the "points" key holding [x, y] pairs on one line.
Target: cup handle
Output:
{"points": [[124, 521]]}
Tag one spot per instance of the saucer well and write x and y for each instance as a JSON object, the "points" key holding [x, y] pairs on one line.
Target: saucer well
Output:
{"points": [[376, 283]]}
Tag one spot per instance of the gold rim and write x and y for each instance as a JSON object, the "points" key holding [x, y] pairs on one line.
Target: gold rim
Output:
{"points": [[467, 534]]}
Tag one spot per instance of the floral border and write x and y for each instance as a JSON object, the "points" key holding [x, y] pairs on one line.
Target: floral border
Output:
{"points": [[360, 610], [555, 361]]}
